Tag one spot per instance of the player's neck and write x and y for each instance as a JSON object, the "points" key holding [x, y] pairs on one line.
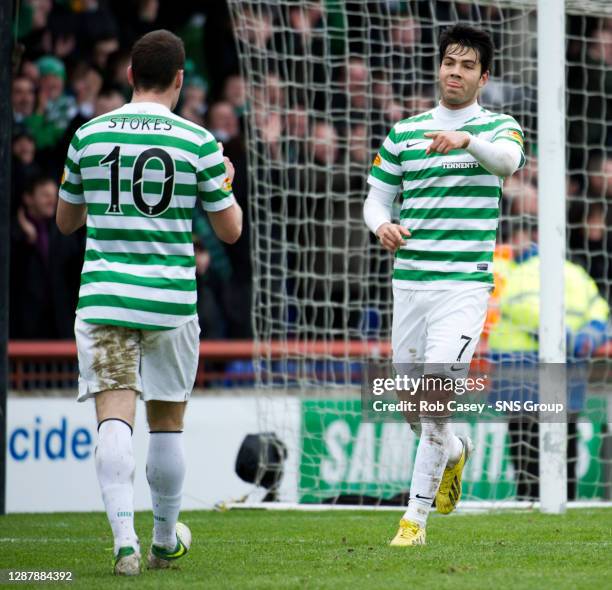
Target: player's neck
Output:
{"points": [[455, 111], [164, 99]]}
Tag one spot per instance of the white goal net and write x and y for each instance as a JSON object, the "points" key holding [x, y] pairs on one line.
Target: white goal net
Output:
{"points": [[325, 83]]}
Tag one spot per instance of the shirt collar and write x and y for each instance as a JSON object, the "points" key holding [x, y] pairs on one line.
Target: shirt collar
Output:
{"points": [[442, 112], [147, 108]]}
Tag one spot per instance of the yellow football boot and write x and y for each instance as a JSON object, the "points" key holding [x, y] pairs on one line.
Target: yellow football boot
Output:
{"points": [[409, 533], [449, 492]]}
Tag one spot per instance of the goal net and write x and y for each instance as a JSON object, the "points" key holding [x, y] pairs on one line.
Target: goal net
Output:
{"points": [[325, 83]]}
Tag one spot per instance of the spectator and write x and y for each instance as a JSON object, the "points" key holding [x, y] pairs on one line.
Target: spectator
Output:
{"points": [[409, 66], [523, 197], [24, 167], [29, 70], [600, 175], [296, 132], [103, 48], [590, 223], [357, 80], [386, 108], [234, 92], [590, 96], [222, 122], [193, 105], [360, 157], [305, 43], [55, 109], [86, 83], [34, 33], [254, 27], [45, 267], [23, 98], [116, 77], [108, 100], [213, 273]]}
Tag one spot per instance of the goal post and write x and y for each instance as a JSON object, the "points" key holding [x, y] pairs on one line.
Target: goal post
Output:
{"points": [[326, 81], [551, 244]]}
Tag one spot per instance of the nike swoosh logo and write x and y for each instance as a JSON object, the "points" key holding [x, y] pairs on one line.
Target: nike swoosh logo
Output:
{"points": [[417, 143], [178, 553], [423, 497], [453, 368]]}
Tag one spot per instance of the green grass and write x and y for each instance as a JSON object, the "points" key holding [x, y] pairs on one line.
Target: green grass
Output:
{"points": [[336, 550]]}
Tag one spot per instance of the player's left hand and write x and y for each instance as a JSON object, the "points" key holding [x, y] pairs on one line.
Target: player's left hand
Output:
{"points": [[445, 141], [229, 167]]}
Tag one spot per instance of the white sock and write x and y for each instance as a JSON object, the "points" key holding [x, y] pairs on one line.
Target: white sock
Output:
{"points": [[455, 449], [429, 464], [165, 474], [115, 468]]}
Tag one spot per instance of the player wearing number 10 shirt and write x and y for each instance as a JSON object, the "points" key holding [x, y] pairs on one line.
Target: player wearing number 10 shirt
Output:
{"points": [[134, 177], [448, 164]]}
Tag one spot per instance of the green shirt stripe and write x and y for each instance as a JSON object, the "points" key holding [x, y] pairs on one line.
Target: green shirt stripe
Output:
{"points": [[162, 307], [387, 177], [124, 324], [139, 259], [452, 191], [444, 256], [130, 279], [453, 234], [73, 189], [438, 275], [450, 213], [439, 172], [140, 139], [139, 235]]}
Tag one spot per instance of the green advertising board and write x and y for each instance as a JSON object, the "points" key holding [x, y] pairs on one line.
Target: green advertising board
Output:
{"points": [[343, 455]]}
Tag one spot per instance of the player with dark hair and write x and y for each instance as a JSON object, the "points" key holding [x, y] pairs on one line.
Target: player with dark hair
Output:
{"points": [[449, 164], [134, 176]]}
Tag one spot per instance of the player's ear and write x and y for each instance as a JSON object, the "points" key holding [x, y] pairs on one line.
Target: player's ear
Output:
{"points": [[180, 75], [484, 78], [130, 76]]}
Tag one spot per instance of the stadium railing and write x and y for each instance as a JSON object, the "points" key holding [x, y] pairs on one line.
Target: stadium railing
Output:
{"points": [[36, 365]]}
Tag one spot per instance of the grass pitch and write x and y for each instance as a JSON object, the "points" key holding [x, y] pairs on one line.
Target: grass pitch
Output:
{"points": [[336, 550]]}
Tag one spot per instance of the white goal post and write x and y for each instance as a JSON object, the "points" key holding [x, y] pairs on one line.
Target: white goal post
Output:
{"points": [[551, 238]]}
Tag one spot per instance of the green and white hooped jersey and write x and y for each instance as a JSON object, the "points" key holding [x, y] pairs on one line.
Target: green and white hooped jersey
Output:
{"points": [[139, 169], [450, 203]]}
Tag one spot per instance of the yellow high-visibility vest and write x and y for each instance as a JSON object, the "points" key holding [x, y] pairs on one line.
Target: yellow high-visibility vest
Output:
{"points": [[519, 305]]}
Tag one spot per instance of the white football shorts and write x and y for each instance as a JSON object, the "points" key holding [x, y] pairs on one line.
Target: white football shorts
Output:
{"points": [[438, 329], [159, 364]]}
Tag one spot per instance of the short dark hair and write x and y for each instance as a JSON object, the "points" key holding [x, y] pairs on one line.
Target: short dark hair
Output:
{"points": [[470, 38], [156, 58], [34, 183]]}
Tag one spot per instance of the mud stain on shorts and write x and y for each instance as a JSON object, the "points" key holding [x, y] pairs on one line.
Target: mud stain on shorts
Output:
{"points": [[117, 358]]}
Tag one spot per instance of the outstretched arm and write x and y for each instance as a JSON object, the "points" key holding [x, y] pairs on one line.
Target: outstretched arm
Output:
{"points": [[501, 158]]}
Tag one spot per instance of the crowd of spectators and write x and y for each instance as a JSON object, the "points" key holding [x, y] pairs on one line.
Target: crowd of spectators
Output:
{"points": [[72, 63], [320, 104]]}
